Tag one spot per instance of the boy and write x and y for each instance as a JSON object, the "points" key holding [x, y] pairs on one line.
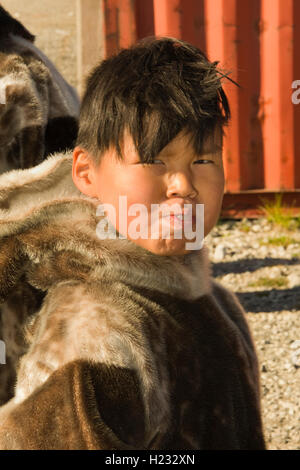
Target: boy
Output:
{"points": [[134, 346]]}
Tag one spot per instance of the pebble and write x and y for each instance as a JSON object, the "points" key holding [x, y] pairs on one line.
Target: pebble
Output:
{"points": [[294, 279], [295, 358], [219, 252]]}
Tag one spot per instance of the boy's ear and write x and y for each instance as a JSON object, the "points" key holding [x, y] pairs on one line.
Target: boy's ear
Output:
{"points": [[83, 171]]}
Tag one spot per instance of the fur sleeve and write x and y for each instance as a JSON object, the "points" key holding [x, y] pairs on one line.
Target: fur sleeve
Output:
{"points": [[81, 406], [230, 305]]}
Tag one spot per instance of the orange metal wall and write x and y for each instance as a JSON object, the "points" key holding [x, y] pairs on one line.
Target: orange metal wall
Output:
{"points": [[257, 41]]}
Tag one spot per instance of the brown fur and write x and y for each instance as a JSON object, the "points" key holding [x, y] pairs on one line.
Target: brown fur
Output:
{"points": [[131, 330], [38, 109]]}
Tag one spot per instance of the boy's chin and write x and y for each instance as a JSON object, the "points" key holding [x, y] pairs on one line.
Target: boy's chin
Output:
{"points": [[164, 247]]}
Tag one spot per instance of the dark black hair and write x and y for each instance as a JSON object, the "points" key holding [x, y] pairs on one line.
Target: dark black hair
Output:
{"points": [[154, 90]]}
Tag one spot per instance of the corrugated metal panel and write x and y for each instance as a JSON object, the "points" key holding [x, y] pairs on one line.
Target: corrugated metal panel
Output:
{"points": [[257, 41]]}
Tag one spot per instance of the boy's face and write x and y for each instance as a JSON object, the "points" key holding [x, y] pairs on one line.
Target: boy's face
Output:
{"points": [[178, 175]]}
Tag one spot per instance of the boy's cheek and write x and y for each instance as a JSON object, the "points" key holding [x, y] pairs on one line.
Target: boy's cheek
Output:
{"points": [[218, 185], [213, 205], [211, 215]]}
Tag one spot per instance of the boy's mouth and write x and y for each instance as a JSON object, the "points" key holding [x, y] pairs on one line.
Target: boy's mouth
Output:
{"points": [[184, 214], [179, 220]]}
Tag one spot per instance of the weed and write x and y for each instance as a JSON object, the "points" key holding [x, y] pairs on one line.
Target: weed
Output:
{"points": [[244, 226], [277, 214], [270, 282], [283, 240]]}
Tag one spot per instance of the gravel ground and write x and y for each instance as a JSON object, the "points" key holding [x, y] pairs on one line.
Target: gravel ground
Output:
{"points": [[246, 257], [261, 264]]}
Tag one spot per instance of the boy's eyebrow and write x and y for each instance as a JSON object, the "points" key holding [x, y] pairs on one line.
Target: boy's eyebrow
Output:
{"points": [[210, 150], [215, 148]]}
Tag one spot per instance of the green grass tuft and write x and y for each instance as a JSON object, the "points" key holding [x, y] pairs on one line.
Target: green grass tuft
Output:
{"points": [[277, 214], [270, 282], [283, 240]]}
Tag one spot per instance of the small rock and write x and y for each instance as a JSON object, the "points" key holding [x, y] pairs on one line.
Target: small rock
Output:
{"points": [[274, 272], [220, 252], [295, 358], [280, 251], [263, 251], [295, 344], [294, 280]]}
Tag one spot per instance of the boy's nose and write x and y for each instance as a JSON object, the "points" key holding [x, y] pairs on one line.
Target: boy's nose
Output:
{"points": [[181, 185]]}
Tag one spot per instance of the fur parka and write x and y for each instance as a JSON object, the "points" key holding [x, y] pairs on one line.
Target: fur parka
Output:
{"points": [[109, 346], [38, 108]]}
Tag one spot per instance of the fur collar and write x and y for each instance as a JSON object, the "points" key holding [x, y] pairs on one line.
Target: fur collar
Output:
{"points": [[45, 221]]}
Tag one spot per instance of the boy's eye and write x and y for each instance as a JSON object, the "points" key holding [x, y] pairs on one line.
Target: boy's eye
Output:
{"points": [[155, 161], [152, 163], [203, 161]]}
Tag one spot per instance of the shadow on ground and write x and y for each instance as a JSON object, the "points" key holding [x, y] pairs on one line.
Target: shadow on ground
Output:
{"points": [[273, 300], [270, 300], [251, 265]]}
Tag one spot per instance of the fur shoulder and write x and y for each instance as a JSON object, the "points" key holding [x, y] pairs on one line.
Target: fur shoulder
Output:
{"points": [[232, 308]]}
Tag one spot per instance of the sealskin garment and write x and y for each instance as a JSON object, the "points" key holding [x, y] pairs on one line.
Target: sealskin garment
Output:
{"points": [[125, 349], [38, 108]]}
